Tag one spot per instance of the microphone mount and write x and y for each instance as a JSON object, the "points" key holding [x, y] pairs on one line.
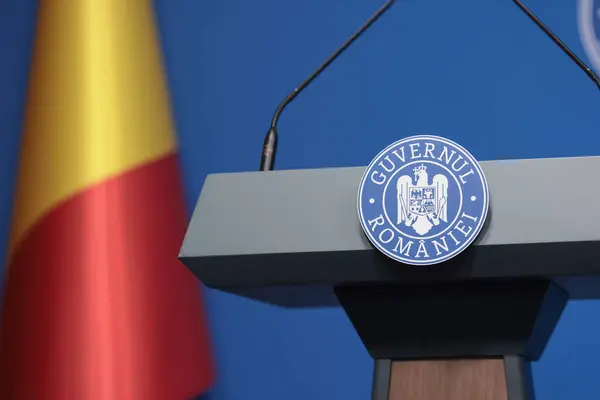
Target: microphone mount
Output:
{"points": [[588, 71], [270, 143]]}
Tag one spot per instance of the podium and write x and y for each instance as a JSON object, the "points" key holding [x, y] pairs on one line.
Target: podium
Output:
{"points": [[465, 329]]}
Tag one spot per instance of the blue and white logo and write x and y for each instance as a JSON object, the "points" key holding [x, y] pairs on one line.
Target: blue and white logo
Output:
{"points": [[588, 18], [423, 200]]}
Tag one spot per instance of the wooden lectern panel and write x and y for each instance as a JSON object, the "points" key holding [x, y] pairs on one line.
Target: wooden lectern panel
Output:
{"points": [[480, 379]]}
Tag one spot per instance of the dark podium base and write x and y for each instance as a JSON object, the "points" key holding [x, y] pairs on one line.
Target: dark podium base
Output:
{"points": [[454, 341]]}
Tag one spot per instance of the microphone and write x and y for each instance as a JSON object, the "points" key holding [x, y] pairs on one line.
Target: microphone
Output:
{"points": [[267, 159], [588, 71]]}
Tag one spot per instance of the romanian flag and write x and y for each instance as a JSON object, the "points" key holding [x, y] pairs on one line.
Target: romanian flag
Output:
{"points": [[97, 305]]}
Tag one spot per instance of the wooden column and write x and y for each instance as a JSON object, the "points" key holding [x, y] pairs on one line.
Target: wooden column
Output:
{"points": [[482, 379]]}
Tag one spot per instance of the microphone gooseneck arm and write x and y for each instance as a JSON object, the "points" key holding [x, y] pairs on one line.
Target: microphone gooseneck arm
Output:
{"points": [[588, 71], [267, 160]]}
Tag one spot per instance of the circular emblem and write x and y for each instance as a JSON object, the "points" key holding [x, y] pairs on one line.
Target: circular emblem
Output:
{"points": [[588, 17], [423, 200]]}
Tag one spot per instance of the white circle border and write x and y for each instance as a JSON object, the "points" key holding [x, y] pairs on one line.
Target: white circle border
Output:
{"points": [[456, 251], [585, 25]]}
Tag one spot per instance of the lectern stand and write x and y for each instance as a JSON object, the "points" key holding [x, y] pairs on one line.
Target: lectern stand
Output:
{"points": [[466, 329]]}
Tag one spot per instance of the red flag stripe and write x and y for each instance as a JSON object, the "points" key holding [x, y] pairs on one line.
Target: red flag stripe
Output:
{"points": [[98, 306]]}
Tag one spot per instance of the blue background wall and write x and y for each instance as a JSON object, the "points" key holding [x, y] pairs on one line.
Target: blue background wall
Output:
{"points": [[477, 72]]}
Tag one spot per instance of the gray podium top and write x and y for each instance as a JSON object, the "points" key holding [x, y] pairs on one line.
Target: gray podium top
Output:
{"points": [[287, 236]]}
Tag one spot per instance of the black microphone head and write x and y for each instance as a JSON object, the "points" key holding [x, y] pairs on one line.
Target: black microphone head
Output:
{"points": [[267, 160]]}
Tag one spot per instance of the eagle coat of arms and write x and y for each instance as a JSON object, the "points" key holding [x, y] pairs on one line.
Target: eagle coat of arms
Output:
{"points": [[422, 205]]}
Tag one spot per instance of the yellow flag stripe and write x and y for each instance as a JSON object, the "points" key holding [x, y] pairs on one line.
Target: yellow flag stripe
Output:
{"points": [[97, 103]]}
